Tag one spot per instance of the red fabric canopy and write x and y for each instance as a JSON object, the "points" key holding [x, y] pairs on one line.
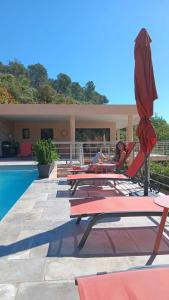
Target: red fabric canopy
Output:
{"points": [[145, 90]]}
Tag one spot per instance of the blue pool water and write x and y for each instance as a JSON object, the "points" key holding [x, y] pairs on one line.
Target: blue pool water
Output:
{"points": [[13, 183]]}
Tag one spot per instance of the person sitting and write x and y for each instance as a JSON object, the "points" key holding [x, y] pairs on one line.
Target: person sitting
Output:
{"points": [[120, 153], [99, 157]]}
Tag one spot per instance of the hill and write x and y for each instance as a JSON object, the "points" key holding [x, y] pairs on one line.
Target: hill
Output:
{"points": [[19, 84]]}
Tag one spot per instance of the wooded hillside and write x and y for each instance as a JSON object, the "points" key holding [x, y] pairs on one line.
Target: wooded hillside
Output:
{"points": [[19, 84]]}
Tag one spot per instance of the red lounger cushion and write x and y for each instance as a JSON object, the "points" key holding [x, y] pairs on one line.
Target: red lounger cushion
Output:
{"points": [[145, 284], [113, 204], [97, 176]]}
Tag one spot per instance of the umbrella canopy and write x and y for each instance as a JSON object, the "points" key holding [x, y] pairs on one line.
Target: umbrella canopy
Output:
{"points": [[145, 90]]}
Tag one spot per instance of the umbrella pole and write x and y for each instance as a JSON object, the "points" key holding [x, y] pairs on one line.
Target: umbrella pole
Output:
{"points": [[146, 174]]}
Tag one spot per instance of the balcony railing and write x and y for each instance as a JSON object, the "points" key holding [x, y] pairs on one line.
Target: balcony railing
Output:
{"points": [[86, 150], [83, 152]]}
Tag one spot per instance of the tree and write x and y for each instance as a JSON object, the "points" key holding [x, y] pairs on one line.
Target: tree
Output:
{"points": [[89, 91], [63, 84], [3, 68], [31, 85], [18, 88], [17, 69], [77, 91], [5, 96], [161, 128], [46, 94], [37, 74], [60, 98]]}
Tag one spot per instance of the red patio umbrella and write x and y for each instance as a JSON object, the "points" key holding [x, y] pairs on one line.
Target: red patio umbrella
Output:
{"points": [[145, 91]]}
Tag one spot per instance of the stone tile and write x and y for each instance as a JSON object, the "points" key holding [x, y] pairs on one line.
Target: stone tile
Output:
{"points": [[69, 268], [39, 251], [22, 246], [20, 270], [7, 291], [60, 212], [8, 234], [48, 290], [45, 204], [22, 217], [41, 224], [22, 206], [28, 196]]}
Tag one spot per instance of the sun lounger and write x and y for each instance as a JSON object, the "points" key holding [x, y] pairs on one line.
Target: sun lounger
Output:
{"points": [[76, 179], [101, 208], [104, 167], [147, 283]]}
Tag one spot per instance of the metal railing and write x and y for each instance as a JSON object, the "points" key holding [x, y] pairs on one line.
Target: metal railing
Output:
{"points": [[83, 152], [161, 148]]}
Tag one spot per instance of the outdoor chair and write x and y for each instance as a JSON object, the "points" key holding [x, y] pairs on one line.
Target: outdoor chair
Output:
{"points": [[144, 283], [100, 167], [77, 179], [114, 207], [25, 149]]}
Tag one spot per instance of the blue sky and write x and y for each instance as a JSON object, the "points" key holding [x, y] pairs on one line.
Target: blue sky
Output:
{"points": [[89, 40]]}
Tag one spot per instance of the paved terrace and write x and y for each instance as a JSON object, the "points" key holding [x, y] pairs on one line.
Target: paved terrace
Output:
{"points": [[38, 244]]}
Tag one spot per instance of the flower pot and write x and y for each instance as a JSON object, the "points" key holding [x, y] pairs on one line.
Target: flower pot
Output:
{"points": [[45, 170]]}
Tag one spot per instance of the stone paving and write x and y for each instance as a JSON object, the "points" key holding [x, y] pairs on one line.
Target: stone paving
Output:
{"points": [[39, 258]]}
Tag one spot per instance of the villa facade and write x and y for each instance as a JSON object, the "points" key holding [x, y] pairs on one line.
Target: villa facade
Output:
{"points": [[25, 123]]}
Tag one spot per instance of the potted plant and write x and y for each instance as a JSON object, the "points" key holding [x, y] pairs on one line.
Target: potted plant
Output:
{"points": [[46, 154]]}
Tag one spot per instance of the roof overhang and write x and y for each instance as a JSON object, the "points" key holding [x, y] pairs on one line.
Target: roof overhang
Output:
{"points": [[62, 112]]}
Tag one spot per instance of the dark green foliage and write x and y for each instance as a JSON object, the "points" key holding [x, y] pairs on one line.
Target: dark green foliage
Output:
{"points": [[19, 88], [17, 69], [77, 91], [46, 94], [95, 135], [160, 168], [161, 128], [45, 152], [91, 96], [160, 171], [63, 84], [32, 85], [37, 74]]}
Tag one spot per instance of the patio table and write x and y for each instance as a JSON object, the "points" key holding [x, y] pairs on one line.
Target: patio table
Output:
{"points": [[104, 167]]}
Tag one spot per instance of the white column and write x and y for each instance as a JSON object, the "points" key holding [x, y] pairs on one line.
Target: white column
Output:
{"points": [[113, 132], [130, 128], [72, 137], [72, 129]]}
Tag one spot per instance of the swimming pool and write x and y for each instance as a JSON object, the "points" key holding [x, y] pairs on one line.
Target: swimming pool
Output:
{"points": [[13, 183]]}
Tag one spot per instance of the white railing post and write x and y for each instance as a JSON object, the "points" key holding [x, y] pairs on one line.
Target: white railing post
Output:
{"points": [[81, 155], [71, 154]]}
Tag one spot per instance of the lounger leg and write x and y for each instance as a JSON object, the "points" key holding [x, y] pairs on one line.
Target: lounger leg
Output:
{"points": [[160, 232], [87, 231], [72, 183], [75, 187], [78, 220]]}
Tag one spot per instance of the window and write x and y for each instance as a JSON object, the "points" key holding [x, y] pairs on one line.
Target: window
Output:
{"points": [[47, 133], [25, 133]]}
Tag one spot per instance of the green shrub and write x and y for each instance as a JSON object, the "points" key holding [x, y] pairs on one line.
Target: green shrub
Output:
{"points": [[45, 152], [161, 168], [160, 171]]}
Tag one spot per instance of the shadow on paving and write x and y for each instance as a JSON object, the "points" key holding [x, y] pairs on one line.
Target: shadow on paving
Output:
{"points": [[89, 191], [102, 242]]}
